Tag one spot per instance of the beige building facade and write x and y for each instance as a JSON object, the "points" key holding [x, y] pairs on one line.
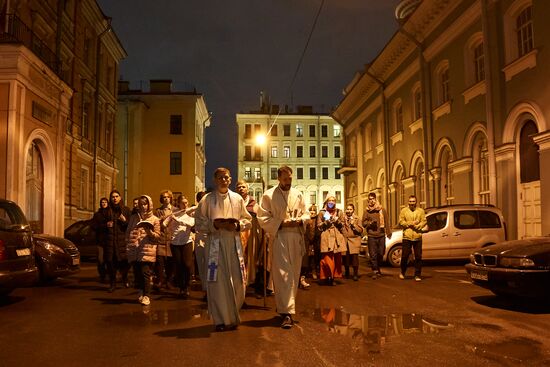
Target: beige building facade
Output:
{"points": [[58, 75], [455, 110], [309, 143], [160, 141]]}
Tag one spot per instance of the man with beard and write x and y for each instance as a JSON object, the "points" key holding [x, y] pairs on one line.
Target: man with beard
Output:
{"points": [[282, 214], [376, 222]]}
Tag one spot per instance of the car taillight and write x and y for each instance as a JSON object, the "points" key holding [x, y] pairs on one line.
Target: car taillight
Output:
{"points": [[3, 254]]}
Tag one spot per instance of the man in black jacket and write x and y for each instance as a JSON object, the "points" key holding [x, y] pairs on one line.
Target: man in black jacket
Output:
{"points": [[376, 222], [115, 246]]}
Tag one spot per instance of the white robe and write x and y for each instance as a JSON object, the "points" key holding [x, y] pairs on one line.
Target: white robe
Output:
{"points": [[226, 273], [288, 242]]}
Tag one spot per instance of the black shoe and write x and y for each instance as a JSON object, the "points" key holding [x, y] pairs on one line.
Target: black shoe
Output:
{"points": [[220, 328], [126, 285], [287, 322], [111, 288], [379, 273], [355, 278], [330, 281]]}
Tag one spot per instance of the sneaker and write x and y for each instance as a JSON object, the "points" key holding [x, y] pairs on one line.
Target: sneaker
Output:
{"points": [[417, 278], [287, 322], [303, 283], [374, 276], [401, 276], [145, 301]]}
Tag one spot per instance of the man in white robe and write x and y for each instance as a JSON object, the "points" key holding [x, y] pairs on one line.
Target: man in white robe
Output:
{"points": [[221, 215], [283, 215]]}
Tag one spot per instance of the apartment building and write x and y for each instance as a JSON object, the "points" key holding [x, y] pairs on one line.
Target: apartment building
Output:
{"points": [[160, 140], [310, 143], [455, 109], [58, 75]]}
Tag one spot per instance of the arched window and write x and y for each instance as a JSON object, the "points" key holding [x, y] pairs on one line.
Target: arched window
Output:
{"points": [[481, 171], [442, 80], [399, 190], [417, 102], [397, 117], [447, 195], [419, 186], [35, 188], [479, 62], [529, 154]]}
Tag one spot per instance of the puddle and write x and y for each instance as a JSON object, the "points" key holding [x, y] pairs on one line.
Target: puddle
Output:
{"points": [[510, 352], [148, 315], [371, 332]]}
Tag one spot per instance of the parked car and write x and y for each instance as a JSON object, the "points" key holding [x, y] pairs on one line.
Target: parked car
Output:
{"points": [[453, 232], [17, 266], [83, 236], [55, 257], [518, 268]]}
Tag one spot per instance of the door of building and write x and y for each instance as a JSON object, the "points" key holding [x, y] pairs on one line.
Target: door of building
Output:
{"points": [[530, 213]]}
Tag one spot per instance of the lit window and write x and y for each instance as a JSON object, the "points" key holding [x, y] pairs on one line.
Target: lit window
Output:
{"points": [[337, 131], [274, 152], [299, 130], [286, 151]]}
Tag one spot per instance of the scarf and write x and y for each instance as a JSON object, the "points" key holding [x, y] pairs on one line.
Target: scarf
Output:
{"points": [[377, 207]]}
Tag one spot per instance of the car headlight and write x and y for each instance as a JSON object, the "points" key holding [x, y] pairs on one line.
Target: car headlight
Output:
{"points": [[51, 247], [516, 262]]}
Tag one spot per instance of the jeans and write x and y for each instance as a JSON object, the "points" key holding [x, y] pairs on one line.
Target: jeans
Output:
{"points": [[417, 248], [143, 272], [183, 257], [377, 247]]}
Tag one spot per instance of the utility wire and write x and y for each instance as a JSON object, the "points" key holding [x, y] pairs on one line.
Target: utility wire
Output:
{"points": [[299, 62]]}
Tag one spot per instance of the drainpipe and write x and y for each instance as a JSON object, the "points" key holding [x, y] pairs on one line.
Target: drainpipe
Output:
{"points": [[427, 123], [489, 110], [96, 106]]}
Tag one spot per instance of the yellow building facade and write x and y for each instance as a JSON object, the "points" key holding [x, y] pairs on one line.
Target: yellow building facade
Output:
{"points": [[309, 143], [455, 110], [58, 75], [160, 141]]}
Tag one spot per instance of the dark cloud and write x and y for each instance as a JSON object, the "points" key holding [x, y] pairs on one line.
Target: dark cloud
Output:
{"points": [[232, 50]]}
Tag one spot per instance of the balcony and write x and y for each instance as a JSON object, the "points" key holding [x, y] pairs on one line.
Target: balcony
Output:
{"points": [[348, 165], [248, 158], [18, 32], [253, 179]]}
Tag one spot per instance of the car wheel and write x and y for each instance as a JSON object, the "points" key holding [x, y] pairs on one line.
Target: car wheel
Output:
{"points": [[394, 256], [43, 277]]}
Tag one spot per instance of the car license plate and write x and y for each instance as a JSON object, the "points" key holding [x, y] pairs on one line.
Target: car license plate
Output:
{"points": [[479, 275], [76, 261], [23, 251]]}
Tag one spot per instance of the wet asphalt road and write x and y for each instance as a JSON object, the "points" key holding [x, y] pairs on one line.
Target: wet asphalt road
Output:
{"points": [[442, 321]]}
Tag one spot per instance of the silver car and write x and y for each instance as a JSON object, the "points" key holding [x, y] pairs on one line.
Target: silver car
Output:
{"points": [[453, 232]]}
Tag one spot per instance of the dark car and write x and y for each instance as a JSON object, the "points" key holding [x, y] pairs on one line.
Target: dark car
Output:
{"points": [[83, 236], [17, 266], [55, 257], [518, 268]]}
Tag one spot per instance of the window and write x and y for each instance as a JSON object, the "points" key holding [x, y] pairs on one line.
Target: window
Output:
{"points": [[300, 151], [528, 153], [299, 130], [257, 173], [336, 174], [247, 131], [313, 197], [488, 219], [524, 30], [325, 194], [324, 131], [417, 103], [109, 135], [337, 131], [437, 221], [300, 173], [84, 182], [324, 151], [398, 118], [257, 130], [312, 173], [312, 151], [479, 63], [247, 153], [466, 219], [274, 151], [311, 131], [286, 130], [337, 151], [274, 130], [286, 151], [175, 163], [175, 125], [273, 172], [338, 196], [257, 153], [324, 173], [247, 173], [86, 120], [444, 86], [419, 185]]}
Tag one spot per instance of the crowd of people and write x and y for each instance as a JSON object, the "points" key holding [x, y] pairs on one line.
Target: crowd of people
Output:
{"points": [[229, 242]]}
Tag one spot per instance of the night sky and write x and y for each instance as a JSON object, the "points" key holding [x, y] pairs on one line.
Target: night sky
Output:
{"points": [[230, 50]]}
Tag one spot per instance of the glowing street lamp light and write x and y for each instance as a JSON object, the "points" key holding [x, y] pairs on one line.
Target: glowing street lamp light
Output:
{"points": [[260, 139]]}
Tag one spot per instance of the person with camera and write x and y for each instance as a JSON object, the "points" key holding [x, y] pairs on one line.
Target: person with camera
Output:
{"points": [[376, 222]]}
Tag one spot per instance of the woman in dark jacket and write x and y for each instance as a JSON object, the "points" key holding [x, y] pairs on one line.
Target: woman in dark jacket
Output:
{"points": [[115, 246], [99, 225]]}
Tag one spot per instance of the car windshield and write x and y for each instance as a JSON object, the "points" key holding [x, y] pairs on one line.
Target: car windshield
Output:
{"points": [[10, 216], [74, 228]]}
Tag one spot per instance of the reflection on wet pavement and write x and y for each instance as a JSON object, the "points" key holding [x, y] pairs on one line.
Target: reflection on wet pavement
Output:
{"points": [[147, 315], [510, 352], [371, 332]]}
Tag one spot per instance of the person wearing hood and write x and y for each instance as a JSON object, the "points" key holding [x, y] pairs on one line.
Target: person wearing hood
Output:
{"points": [[115, 247], [330, 222], [164, 267], [376, 222], [142, 236]]}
